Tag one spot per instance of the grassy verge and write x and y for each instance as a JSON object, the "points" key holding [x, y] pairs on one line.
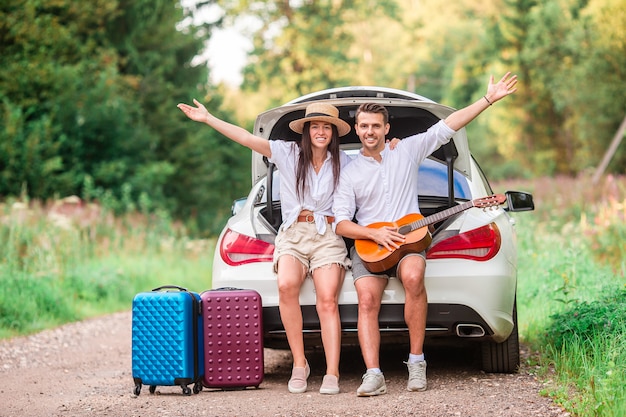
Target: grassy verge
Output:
{"points": [[572, 293], [587, 348], [70, 261]]}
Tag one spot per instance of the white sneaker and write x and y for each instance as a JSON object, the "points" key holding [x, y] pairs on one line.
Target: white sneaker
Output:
{"points": [[417, 376], [373, 384]]}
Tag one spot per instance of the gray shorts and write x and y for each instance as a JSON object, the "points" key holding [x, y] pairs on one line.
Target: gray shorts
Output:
{"points": [[313, 250], [359, 270]]}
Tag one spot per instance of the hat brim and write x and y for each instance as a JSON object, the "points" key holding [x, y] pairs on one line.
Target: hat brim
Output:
{"points": [[343, 128]]}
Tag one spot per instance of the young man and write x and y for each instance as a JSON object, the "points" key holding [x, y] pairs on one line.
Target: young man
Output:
{"points": [[379, 186]]}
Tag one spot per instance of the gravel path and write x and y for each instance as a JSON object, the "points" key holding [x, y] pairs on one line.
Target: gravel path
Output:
{"points": [[84, 369]]}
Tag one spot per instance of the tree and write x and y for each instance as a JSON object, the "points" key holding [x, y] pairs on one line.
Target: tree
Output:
{"points": [[597, 75], [568, 54], [88, 95], [571, 61], [302, 47], [41, 48]]}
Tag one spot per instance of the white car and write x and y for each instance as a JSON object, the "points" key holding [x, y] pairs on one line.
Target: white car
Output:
{"points": [[471, 273]]}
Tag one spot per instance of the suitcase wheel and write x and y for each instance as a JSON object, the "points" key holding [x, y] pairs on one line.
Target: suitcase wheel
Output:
{"points": [[152, 389], [137, 389], [197, 387], [186, 390]]}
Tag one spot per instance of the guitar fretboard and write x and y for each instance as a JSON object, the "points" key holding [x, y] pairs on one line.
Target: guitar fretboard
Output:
{"points": [[440, 216]]}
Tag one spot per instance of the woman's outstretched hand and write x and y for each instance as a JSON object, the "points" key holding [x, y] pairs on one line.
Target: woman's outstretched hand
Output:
{"points": [[198, 113]]}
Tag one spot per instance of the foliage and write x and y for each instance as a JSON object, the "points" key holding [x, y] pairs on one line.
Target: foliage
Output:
{"points": [[587, 320], [302, 47], [571, 297], [581, 268], [587, 345], [88, 95], [72, 260], [605, 227], [551, 280], [88, 90], [569, 56]]}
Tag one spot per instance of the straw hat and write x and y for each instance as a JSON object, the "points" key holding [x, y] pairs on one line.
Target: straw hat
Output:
{"points": [[322, 112]]}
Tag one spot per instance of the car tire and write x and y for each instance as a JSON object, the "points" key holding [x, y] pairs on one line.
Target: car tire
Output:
{"points": [[502, 357]]}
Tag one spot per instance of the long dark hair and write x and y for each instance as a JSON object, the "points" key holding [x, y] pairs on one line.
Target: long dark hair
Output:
{"points": [[306, 158]]}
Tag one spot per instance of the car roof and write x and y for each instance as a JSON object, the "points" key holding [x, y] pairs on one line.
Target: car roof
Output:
{"points": [[409, 114]]}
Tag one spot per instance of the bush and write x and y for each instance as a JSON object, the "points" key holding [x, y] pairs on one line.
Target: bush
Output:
{"points": [[587, 320], [586, 349]]}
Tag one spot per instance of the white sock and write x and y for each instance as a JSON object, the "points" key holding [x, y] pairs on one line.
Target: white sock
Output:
{"points": [[416, 358], [375, 370]]}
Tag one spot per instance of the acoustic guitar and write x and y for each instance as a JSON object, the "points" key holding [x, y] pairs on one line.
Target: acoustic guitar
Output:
{"points": [[414, 227]]}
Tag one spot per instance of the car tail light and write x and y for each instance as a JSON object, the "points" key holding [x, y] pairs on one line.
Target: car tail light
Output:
{"points": [[479, 244], [237, 249]]}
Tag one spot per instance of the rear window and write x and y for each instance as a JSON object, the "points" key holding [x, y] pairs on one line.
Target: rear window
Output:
{"points": [[433, 181]]}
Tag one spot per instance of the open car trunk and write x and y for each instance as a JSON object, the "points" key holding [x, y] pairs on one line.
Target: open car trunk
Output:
{"points": [[409, 114]]}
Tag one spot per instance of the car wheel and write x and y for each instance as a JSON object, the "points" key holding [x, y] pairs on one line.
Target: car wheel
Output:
{"points": [[502, 357]]}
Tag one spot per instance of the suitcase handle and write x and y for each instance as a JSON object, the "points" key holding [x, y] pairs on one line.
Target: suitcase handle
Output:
{"points": [[170, 287], [226, 289]]}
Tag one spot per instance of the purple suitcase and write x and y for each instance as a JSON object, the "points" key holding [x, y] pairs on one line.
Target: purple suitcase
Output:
{"points": [[233, 338]]}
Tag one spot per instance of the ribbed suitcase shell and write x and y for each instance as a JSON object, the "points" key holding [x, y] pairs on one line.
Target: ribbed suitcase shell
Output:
{"points": [[166, 339], [233, 338]]}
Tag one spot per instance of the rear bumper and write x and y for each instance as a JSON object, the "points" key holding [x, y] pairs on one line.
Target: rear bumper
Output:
{"points": [[443, 321]]}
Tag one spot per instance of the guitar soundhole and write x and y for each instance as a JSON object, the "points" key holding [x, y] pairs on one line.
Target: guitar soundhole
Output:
{"points": [[404, 229]]}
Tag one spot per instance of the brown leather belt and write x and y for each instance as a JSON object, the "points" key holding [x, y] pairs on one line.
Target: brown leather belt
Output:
{"points": [[310, 219]]}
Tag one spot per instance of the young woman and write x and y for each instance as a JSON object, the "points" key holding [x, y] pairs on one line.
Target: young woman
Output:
{"points": [[306, 244]]}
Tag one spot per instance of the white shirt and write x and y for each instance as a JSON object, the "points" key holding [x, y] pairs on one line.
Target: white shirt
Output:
{"points": [[386, 191], [318, 194]]}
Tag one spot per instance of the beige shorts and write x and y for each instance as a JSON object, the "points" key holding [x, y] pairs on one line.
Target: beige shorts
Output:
{"points": [[313, 250]]}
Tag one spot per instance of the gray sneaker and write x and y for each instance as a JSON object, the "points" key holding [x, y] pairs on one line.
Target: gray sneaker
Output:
{"points": [[417, 376], [373, 384]]}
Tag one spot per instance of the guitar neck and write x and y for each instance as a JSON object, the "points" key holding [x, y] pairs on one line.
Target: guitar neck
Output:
{"points": [[441, 215]]}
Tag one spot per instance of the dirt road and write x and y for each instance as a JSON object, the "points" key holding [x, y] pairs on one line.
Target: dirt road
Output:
{"points": [[84, 369]]}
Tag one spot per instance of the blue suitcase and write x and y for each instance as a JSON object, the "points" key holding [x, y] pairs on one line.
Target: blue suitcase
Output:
{"points": [[167, 348]]}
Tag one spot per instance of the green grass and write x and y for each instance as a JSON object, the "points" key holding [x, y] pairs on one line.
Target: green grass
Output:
{"points": [[586, 345], [555, 271], [572, 290], [61, 268]]}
